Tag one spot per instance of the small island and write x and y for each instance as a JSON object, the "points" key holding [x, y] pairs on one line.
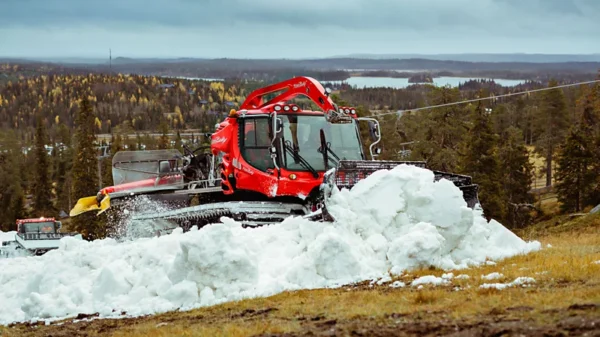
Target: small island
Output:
{"points": [[420, 78]]}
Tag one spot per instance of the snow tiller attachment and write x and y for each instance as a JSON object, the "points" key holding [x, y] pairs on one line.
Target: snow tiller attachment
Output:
{"points": [[271, 159]]}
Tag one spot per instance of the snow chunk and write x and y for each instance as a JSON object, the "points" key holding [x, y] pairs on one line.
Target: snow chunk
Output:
{"points": [[398, 284], [429, 279], [385, 279], [522, 281], [492, 276], [462, 277], [447, 276]]}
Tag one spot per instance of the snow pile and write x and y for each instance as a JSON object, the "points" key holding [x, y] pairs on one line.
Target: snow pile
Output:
{"points": [[519, 281], [392, 221]]}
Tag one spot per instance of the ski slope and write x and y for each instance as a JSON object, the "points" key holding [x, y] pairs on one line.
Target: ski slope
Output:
{"points": [[389, 223]]}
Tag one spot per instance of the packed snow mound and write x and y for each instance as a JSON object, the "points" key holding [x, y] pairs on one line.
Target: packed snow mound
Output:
{"points": [[7, 236], [391, 222]]}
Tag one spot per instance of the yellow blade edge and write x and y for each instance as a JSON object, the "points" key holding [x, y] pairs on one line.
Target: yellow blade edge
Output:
{"points": [[84, 205], [104, 204]]}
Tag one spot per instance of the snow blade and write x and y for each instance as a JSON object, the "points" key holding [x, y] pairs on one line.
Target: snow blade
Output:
{"points": [[104, 204], [85, 205]]}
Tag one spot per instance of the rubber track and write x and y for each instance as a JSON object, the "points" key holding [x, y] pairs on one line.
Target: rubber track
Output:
{"points": [[207, 216]]}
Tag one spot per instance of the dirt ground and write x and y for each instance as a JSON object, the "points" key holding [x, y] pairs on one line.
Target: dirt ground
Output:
{"points": [[572, 323], [574, 320]]}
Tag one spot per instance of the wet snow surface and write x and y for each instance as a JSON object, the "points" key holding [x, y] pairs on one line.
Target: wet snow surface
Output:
{"points": [[392, 221]]}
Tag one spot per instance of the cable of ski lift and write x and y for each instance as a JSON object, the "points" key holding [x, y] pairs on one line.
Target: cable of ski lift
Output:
{"points": [[487, 98]]}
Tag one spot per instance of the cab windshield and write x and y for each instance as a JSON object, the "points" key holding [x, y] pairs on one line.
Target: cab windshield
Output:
{"points": [[302, 133], [38, 227]]}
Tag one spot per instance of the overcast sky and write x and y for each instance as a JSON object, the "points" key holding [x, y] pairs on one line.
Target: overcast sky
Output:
{"points": [[295, 28]]}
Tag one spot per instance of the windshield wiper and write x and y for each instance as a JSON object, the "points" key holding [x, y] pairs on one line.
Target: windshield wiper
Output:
{"points": [[326, 150], [299, 158]]}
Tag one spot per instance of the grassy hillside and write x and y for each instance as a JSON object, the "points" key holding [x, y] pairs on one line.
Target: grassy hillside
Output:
{"points": [[564, 299]]}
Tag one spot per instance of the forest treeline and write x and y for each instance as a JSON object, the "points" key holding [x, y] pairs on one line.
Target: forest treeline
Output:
{"points": [[120, 101], [334, 69], [490, 140], [342, 68], [48, 125]]}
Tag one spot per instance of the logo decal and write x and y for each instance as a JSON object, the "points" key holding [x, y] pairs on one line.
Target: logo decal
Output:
{"points": [[300, 84], [218, 140]]}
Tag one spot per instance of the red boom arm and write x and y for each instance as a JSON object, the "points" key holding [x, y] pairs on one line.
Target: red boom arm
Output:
{"points": [[296, 86]]}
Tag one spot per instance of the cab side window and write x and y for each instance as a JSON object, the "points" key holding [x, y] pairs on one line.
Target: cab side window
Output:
{"points": [[256, 143]]}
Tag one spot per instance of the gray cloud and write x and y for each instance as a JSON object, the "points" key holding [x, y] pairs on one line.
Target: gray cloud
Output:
{"points": [[401, 25]]}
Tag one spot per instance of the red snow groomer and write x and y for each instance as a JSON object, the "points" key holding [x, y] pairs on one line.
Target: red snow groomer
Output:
{"points": [[268, 160]]}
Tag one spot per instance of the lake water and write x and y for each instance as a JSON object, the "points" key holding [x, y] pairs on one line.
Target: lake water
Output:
{"points": [[377, 82], [398, 83], [200, 78]]}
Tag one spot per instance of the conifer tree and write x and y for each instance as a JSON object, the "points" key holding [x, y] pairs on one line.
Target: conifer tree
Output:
{"points": [[573, 165], [551, 123], [437, 133], [163, 141], [129, 143], [42, 188], [12, 199], [138, 140], [63, 170], [178, 142], [85, 172], [578, 169], [479, 160], [516, 175], [17, 204], [591, 120]]}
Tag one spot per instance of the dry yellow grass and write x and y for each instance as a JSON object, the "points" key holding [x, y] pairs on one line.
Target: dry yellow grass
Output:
{"points": [[565, 274]]}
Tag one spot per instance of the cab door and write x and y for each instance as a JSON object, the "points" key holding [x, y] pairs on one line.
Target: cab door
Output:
{"points": [[257, 170]]}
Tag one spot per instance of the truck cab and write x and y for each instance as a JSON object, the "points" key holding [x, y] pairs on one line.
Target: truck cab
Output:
{"points": [[46, 227]]}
